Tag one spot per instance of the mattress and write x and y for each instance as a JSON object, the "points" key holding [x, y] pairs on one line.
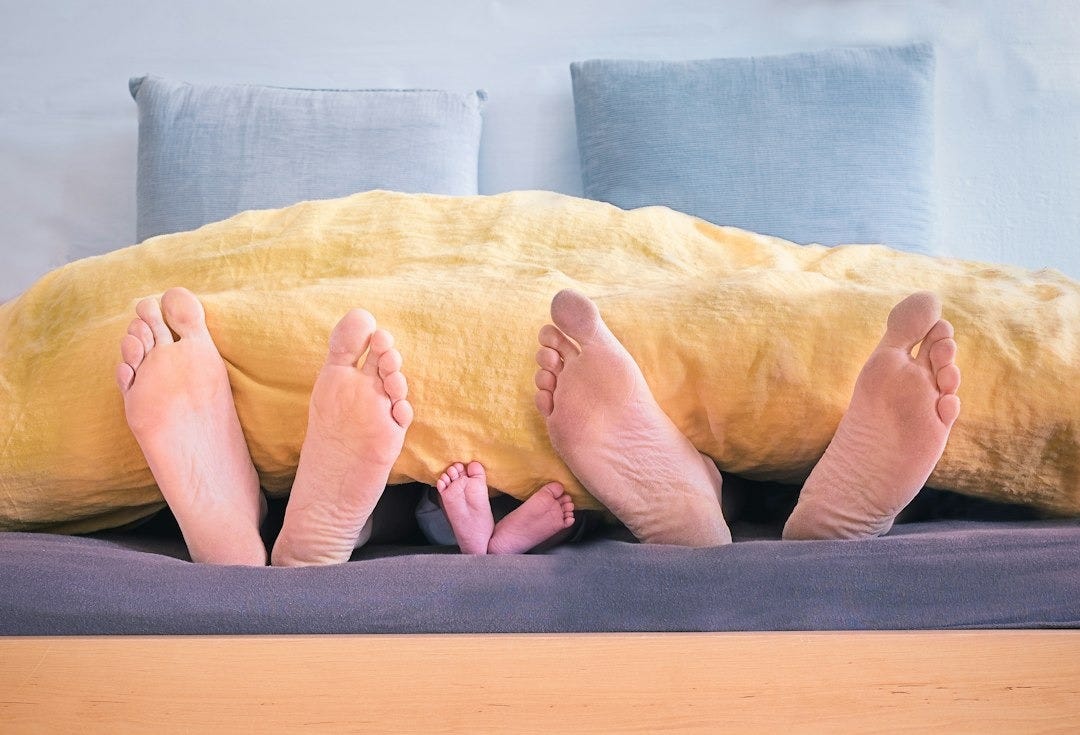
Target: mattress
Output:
{"points": [[946, 570]]}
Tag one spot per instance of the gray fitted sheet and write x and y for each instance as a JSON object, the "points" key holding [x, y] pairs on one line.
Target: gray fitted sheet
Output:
{"points": [[937, 574]]}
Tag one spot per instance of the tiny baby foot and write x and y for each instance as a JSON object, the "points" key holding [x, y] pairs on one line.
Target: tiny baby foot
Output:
{"points": [[463, 493], [542, 515]]}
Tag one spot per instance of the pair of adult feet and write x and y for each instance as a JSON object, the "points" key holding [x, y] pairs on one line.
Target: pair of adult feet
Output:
{"points": [[604, 422], [600, 413], [179, 405]]}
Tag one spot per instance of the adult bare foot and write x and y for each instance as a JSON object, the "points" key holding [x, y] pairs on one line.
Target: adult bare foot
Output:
{"points": [[893, 433], [180, 408], [543, 514], [356, 426], [605, 424], [463, 492]]}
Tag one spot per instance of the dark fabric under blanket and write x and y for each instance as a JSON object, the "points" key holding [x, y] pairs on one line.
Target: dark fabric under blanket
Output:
{"points": [[940, 574]]}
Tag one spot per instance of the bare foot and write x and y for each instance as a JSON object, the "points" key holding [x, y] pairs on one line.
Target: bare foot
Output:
{"points": [[542, 515], [605, 424], [893, 433], [465, 500], [180, 408], [356, 426]]}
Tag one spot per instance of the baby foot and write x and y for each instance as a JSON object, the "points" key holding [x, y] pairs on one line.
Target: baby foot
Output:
{"points": [[465, 500], [180, 408], [545, 513], [893, 433], [356, 426], [605, 424]]}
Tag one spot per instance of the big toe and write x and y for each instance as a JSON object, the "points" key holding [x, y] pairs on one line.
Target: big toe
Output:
{"points": [[555, 490], [183, 312], [350, 338], [912, 319], [475, 469], [576, 315]]}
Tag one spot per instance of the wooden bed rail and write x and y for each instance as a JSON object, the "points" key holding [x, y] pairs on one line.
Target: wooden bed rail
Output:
{"points": [[984, 681]]}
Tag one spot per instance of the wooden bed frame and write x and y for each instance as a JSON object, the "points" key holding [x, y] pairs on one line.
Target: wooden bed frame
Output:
{"points": [[982, 681]]}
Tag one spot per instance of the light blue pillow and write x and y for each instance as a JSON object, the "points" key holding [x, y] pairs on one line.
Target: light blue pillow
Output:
{"points": [[830, 147], [207, 151]]}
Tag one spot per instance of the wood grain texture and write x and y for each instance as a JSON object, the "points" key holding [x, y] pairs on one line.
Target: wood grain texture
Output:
{"points": [[978, 681]]}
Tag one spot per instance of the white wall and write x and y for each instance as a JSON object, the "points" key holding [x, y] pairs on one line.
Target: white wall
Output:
{"points": [[1008, 91]]}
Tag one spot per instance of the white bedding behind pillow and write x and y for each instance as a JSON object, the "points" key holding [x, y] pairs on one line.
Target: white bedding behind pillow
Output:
{"points": [[1007, 107]]}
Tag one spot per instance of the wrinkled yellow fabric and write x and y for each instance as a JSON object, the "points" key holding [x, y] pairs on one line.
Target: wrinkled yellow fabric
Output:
{"points": [[751, 344]]}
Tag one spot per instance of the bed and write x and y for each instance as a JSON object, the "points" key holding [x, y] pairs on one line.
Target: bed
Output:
{"points": [[962, 617]]}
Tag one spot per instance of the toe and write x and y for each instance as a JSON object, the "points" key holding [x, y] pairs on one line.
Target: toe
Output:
{"points": [[948, 408], [389, 362], [396, 386], [150, 312], [141, 331], [549, 360], [475, 469], [554, 489], [545, 402], [911, 320], [942, 330], [402, 413], [183, 312], [452, 473], [948, 379], [381, 343], [552, 338], [350, 338], [577, 316], [125, 376], [133, 351], [545, 380], [942, 353]]}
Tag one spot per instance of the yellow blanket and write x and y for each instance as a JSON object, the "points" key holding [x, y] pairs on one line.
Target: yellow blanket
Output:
{"points": [[751, 344]]}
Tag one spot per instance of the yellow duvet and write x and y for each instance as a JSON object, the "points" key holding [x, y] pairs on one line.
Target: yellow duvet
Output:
{"points": [[751, 344]]}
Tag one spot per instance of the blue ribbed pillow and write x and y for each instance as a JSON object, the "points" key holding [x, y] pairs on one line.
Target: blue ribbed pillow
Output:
{"points": [[830, 147], [207, 151]]}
